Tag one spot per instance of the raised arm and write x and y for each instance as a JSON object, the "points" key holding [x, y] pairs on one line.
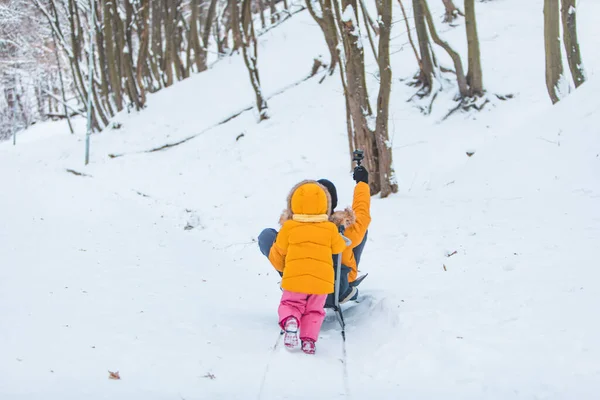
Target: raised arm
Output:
{"points": [[361, 205]]}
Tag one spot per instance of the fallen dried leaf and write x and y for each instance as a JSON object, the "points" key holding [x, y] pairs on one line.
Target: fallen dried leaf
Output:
{"points": [[113, 375], [444, 267], [210, 376]]}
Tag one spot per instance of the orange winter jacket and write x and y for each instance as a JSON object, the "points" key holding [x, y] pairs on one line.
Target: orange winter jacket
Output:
{"points": [[356, 222], [361, 205], [307, 240]]}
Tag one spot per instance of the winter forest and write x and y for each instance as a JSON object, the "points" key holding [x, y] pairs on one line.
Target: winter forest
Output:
{"points": [[59, 56], [148, 148]]}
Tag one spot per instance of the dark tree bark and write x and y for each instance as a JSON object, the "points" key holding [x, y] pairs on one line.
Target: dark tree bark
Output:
{"points": [[234, 12], [168, 60], [261, 6], [103, 64], [326, 22], [569, 23], [463, 86], [194, 38], [475, 74], [142, 70], [452, 12], [111, 58], [363, 120], [554, 67], [249, 52], [127, 57], [386, 169], [274, 14], [208, 21], [156, 61], [427, 74], [369, 26]]}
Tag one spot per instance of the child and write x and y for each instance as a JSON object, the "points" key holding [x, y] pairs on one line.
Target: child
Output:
{"points": [[303, 253]]}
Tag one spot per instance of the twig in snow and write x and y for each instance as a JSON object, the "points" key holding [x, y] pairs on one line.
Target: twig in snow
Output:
{"points": [[114, 375], [77, 173], [142, 194]]}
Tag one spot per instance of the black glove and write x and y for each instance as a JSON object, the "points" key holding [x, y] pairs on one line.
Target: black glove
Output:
{"points": [[361, 174]]}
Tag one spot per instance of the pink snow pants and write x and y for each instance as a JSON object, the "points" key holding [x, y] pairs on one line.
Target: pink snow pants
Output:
{"points": [[307, 309]]}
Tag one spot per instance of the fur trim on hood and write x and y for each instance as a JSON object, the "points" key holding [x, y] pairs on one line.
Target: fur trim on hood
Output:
{"points": [[345, 218]]}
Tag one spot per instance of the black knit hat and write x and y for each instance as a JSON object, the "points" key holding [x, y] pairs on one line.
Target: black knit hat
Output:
{"points": [[332, 192]]}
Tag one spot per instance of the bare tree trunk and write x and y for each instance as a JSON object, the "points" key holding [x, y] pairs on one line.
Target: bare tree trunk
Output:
{"points": [[249, 51], [451, 11], [569, 23], [77, 41], [386, 169], [156, 60], [176, 38], [410, 38], [194, 38], [143, 71], [463, 86], [363, 120], [119, 44], [369, 25], [475, 75], [128, 56], [273, 9], [168, 61], [368, 19], [326, 22], [217, 35], [234, 12], [261, 6], [115, 79], [426, 65], [554, 67], [210, 17], [105, 92], [54, 21], [350, 131]]}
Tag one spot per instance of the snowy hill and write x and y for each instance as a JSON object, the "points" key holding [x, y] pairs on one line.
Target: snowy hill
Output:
{"points": [[483, 274]]}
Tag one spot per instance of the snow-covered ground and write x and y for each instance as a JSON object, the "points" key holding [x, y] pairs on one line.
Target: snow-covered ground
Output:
{"points": [[148, 264]]}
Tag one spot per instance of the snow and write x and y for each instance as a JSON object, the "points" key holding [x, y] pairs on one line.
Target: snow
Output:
{"points": [[349, 18], [348, 15], [563, 86], [483, 273]]}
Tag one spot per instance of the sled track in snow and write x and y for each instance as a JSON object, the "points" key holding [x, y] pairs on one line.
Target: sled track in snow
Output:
{"points": [[345, 370], [266, 373], [343, 385]]}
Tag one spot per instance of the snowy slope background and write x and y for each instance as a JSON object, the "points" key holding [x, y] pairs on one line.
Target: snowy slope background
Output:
{"points": [[148, 265]]}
